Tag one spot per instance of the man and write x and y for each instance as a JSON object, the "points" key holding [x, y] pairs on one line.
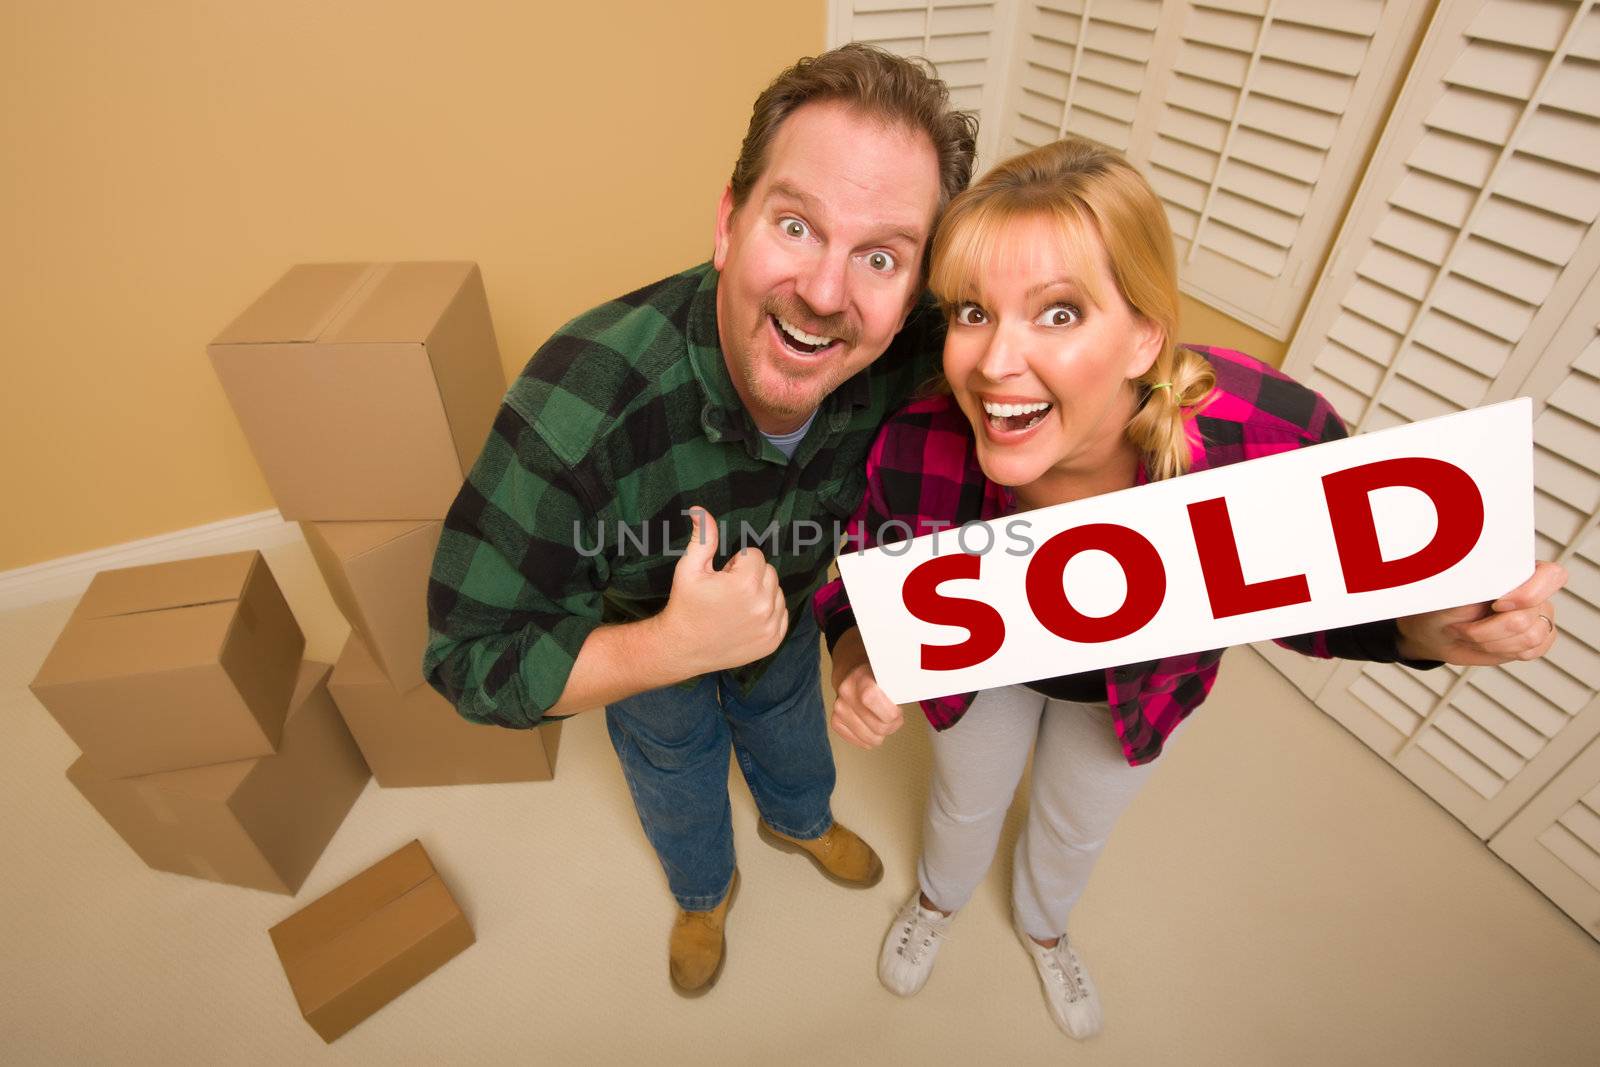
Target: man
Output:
{"points": [[702, 419]]}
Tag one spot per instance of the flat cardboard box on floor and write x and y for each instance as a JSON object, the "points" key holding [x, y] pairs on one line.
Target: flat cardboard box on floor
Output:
{"points": [[261, 822], [417, 738], [366, 390], [354, 950], [378, 575], [174, 665]]}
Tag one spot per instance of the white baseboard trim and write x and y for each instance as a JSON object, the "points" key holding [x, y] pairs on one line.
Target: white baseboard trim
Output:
{"points": [[58, 579]]}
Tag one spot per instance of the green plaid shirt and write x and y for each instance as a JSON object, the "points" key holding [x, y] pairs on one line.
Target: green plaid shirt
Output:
{"points": [[573, 515]]}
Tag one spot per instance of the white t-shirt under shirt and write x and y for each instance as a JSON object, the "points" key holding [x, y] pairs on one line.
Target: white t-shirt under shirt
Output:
{"points": [[788, 442]]}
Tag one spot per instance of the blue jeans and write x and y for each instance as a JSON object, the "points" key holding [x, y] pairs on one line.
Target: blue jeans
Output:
{"points": [[674, 742]]}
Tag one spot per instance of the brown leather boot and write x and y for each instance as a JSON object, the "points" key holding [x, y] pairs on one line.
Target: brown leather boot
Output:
{"points": [[839, 854], [697, 948]]}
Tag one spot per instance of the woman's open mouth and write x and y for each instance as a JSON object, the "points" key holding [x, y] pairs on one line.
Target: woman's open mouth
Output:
{"points": [[798, 341], [1009, 422]]}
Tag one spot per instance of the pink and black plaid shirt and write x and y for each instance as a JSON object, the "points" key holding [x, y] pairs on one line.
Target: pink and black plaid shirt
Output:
{"points": [[923, 471]]}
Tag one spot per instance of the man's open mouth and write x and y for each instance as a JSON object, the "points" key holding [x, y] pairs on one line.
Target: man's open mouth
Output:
{"points": [[799, 341], [1012, 417]]}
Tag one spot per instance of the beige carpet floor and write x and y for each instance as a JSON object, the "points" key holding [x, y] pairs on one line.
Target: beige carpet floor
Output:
{"points": [[1277, 895]]}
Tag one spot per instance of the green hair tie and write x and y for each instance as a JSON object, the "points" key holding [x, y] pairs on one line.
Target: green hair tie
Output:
{"points": [[1160, 385]]}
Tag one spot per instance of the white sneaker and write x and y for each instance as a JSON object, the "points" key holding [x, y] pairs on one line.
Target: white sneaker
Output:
{"points": [[909, 947], [1068, 990]]}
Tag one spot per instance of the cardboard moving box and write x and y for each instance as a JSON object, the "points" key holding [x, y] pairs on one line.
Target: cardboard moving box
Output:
{"points": [[349, 953], [174, 665], [261, 822], [365, 390], [378, 575], [417, 738]]}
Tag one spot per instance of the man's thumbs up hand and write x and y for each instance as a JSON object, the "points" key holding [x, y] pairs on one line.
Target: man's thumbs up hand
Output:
{"points": [[716, 620]]}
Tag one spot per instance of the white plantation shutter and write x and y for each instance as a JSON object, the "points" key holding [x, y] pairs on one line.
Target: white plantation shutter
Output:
{"points": [[1486, 184], [1269, 107], [1555, 841], [967, 41], [1082, 67], [1250, 118], [1468, 272]]}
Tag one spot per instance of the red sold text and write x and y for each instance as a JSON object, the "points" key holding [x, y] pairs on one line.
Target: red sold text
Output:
{"points": [[1456, 500]]}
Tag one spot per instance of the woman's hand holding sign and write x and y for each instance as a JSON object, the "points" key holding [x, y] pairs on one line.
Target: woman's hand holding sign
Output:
{"points": [[1518, 626], [863, 714]]}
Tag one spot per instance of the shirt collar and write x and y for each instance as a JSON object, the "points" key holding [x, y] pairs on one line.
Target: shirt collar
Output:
{"points": [[722, 414]]}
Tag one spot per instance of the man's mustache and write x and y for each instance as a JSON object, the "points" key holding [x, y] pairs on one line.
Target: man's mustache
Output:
{"points": [[796, 313]]}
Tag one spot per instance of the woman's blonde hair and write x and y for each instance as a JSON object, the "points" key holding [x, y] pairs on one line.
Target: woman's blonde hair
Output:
{"points": [[1084, 188]]}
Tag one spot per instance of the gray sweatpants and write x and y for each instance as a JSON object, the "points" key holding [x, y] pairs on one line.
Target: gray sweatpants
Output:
{"points": [[1081, 784]]}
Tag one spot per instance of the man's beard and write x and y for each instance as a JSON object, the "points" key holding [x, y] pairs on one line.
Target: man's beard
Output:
{"points": [[778, 390]]}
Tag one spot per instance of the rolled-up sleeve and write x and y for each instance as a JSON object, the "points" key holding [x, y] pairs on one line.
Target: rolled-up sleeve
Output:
{"points": [[516, 583]]}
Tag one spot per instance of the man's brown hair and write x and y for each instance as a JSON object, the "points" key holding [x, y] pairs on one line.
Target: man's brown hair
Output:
{"points": [[875, 83]]}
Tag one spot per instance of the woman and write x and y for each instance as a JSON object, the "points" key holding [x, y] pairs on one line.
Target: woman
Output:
{"points": [[1057, 274]]}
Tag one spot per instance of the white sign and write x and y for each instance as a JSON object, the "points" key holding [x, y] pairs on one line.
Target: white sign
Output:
{"points": [[1392, 523]]}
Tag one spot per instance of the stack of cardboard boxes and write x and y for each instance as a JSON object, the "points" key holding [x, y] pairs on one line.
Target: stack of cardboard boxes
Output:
{"points": [[207, 743], [215, 751], [366, 392]]}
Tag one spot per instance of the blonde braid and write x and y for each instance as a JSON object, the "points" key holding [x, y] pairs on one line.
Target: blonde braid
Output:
{"points": [[1177, 385]]}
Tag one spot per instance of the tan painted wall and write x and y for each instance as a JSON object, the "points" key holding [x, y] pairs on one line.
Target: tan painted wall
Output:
{"points": [[169, 161], [165, 162], [1202, 324]]}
